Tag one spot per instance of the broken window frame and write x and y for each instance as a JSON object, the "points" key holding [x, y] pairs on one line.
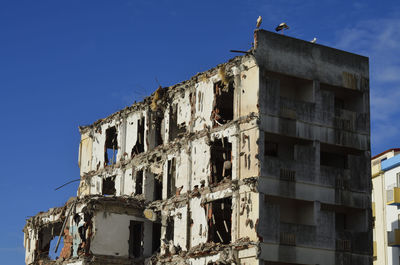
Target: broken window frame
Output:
{"points": [[220, 160], [223, 105], [157, 119], [171, 177], [157, 188], [108, 186], [139, 181], [47, 235], [175, 129], [219, 228], [111, 145], [138, 148], [170, 228]]}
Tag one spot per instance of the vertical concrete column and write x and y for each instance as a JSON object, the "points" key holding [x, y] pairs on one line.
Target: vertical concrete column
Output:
{"points": [[121, 139], [237, 84], [317, 207], [148, 185], [317, 149], [166, 127], [318, 101], [145, 115]]}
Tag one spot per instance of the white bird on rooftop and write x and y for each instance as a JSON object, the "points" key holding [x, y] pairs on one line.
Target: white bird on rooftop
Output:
{"points": [[259, 20], [282, 27], [314, 40]]}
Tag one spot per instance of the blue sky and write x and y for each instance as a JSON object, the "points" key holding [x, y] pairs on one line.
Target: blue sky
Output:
{"points": [[69, 63]]}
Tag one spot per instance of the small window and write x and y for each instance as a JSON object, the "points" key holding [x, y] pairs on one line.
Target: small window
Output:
{"points": [[169, 234], [157, 189], [139, 146], [220, 160], [175, 129], [109, 186], [111, 146], [139, 182], [171, 175], [223, 103]]}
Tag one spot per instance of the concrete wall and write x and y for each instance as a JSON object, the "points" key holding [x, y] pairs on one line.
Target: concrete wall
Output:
{"points": [[111, 234]]}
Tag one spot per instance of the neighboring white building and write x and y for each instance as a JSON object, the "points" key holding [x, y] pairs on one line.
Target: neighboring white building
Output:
{"points": [[385, 169]]}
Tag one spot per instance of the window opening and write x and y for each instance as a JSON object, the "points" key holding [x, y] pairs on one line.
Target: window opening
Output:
{"points": [[271, 149], [171, 188], [139, 146], [169, 234], [157, 189], [223, 103], [135, 239], [109, 186], [219, 216], [333, 160], [111, 146], [139, 182], [175, 129], [156, 126], [221, 160], [156, 237]]}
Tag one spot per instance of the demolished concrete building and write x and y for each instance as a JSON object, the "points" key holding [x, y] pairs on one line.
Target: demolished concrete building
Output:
{"points": [[261, 160]]}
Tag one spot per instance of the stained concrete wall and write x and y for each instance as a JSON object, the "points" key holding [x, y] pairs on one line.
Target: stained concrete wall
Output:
{"points": [[116, 226]]}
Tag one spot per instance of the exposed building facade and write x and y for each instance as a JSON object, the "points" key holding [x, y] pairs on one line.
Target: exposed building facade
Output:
{"points": [[385, 200], [262, 160]]}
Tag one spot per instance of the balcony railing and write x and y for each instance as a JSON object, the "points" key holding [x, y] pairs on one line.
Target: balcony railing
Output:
{"points": [[393, 196], [394, 238], [296, 109], [343, 245], [289, 170], [288, 239]]}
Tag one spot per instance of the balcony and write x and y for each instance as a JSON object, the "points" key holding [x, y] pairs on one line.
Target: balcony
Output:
{"points": [[289, 170], [393, 196], [296, 109], [298, 234], [394, 238]]}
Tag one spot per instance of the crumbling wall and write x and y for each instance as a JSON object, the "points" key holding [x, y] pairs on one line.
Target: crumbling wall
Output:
{"points": [[249, 88], [136, 130], [111, 234], [200, 158], [248, 213], [203, 97], [183, 169], [85, 153], [248, 150], [179, 154], [199, 227]]}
